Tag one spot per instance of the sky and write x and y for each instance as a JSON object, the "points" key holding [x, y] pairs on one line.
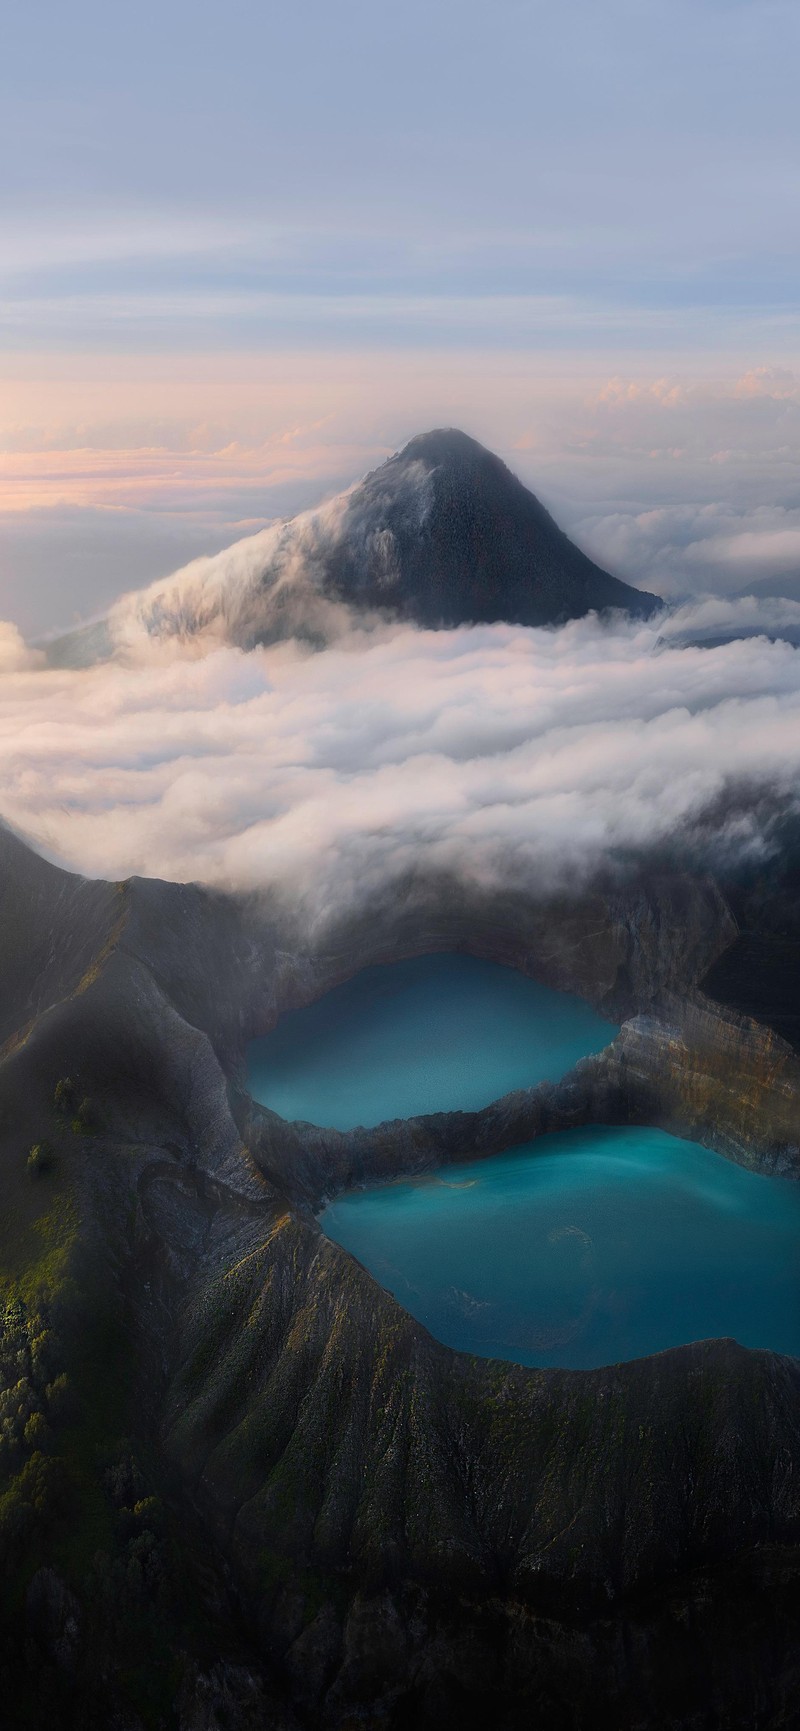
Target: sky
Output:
{"points": [[248, 251]]}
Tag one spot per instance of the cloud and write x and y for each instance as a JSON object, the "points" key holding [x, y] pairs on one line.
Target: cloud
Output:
{"points": [[162, 478], [14, 652], [773, 549], [690, 549], [704, 471], [270, 579], [779, 384], [504, 755]]}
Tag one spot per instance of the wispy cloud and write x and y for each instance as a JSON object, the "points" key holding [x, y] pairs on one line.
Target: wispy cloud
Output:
{"points": [[164, 478]]}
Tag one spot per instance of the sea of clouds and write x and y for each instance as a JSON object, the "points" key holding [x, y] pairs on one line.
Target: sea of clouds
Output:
{"points": [[503, 754]]}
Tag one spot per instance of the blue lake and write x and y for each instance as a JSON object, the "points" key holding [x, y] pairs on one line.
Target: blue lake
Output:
{"points": [[586, 1248], [439, 1033]]}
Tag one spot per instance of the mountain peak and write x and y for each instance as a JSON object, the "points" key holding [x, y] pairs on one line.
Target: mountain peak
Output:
{"points": [[444, 534], [447, 445]]}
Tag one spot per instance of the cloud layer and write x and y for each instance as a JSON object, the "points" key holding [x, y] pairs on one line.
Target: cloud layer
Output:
{"points": [[502, 754]]}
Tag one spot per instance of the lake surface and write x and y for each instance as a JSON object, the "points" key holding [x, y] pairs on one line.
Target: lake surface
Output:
{"points": [[438, 1033], [586, 1248]]}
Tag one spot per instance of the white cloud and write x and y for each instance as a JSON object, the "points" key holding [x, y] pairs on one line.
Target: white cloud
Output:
{"points": [[679, 550], [14, 652], [774, 549], [500, 753]]}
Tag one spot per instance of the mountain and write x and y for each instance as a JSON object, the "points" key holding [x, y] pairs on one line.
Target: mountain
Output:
{"points": [[787, 586], [441, 535], [444, 534], [239, 1484]]}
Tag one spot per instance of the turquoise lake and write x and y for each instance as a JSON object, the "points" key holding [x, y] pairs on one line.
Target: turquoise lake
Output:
{"points": [[438, 1033], [586, 1248], [578, 1250]]}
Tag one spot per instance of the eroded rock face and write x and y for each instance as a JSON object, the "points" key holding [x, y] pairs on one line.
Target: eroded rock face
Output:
{"points": [[392, 1506], [230, 1697], [392, 1457], [412, 1536], [622, 947], [693, 1069], [717, 1077]]}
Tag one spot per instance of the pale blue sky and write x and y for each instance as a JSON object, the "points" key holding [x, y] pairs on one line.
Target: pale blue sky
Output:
{"points": [[324, 171], [580, 190]]}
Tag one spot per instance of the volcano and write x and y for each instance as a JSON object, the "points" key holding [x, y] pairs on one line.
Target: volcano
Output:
{"points": [[444, 534], [441, 535]]}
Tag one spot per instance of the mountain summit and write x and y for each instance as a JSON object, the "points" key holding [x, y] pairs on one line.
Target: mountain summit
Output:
{"points": [[442, 534]]}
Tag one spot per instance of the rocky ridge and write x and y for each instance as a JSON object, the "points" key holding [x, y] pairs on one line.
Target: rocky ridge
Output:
{"points": [[402, 1532]]}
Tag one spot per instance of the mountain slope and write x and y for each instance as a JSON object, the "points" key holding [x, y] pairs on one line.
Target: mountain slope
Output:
{"points": [[444, 534]]}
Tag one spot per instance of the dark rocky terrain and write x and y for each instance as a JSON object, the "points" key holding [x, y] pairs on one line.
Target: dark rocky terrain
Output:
{"points": [[241, 1487], [760, 972], [444, 534]]}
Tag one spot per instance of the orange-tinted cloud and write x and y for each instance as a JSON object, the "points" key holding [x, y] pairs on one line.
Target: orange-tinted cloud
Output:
{"points": [[160, 478]]}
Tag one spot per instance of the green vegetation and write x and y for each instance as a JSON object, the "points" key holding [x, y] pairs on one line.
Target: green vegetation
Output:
{"points": [[64, 1097], [85, 1118], [40, 1159], [88, 1543], [33, 1393], [37, 1396], [79, 1112]]}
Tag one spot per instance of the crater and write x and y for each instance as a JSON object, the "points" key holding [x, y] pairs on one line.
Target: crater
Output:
{"points": [[585, 1248], [437, 1033]]}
